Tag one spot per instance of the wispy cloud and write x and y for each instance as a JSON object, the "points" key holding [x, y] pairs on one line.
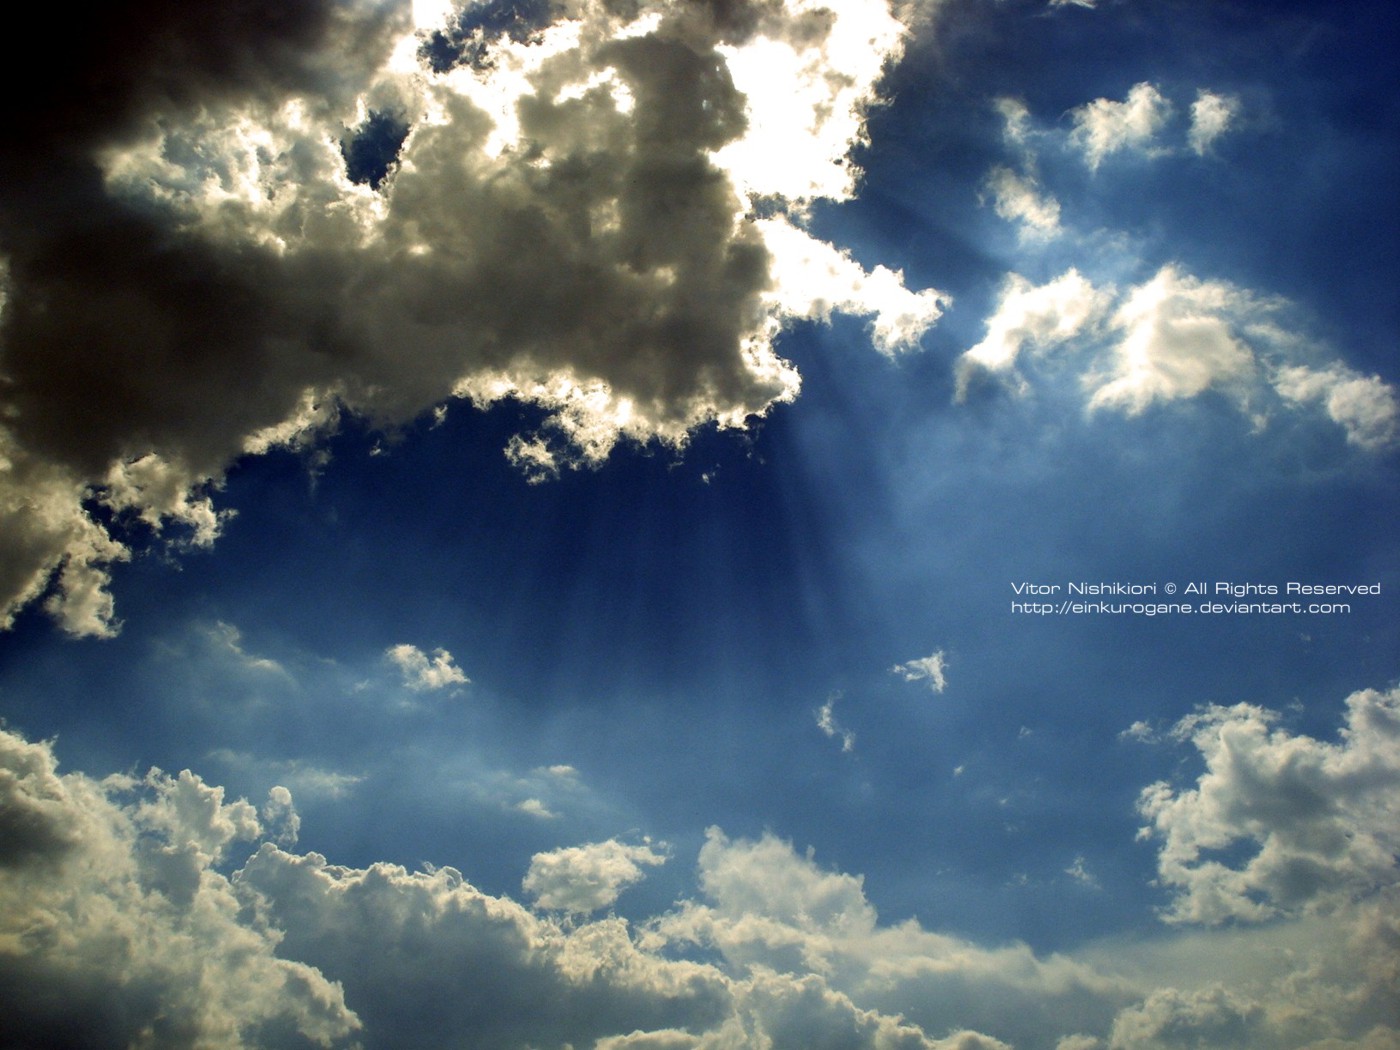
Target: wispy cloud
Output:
{"points": [[930, 669]]}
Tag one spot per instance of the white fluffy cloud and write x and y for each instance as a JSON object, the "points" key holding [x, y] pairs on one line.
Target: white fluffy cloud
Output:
{"points": [[566, 221], [1103, 126], [1212, 114], [421, 672], [118, 924], [1175, 337], [1366, 407], [1179, 336], [584, 879], [1319, 822], [1031, 317], [1019, 199]]}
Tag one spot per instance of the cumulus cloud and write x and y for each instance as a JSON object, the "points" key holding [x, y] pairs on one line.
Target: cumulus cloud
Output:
{"points": [[116, 928], [584, 879], [1314, 824], [119, 925], [228, 232], [929, 669], [1212, 115], [420, 672], [1179, 337], [1174, 337], [1103, 126]]}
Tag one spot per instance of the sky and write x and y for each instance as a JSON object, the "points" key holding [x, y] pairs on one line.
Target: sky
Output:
{"points": [[701, 525]]}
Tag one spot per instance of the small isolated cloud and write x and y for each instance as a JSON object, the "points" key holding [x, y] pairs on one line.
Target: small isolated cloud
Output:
{"points": [[1319, 822], [226, 640], [930, 669], [422, 673], [585, 879], [1018, 199], [1211, 116], [1081, 874], [1073, 3], [1104, 127], [1141, 732], [826, 722]]}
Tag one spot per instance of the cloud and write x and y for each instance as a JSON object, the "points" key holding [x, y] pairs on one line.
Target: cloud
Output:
{"points": [[117, 921], [1033, 317], [535, 808], [306, 780], [1103, 127], [1366, 407], [584, 879], [1017, 198], [117, 929], [421, 673], [1081, 874], [1174, 337], [1279, 824], [280, 817], [192, 272], [813, 279], [1212, 115], [826, 722], [1178, 337], [930, 669]]}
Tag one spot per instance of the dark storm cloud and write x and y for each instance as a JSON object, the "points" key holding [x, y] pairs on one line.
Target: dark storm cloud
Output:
{"points": [[227, 226]]}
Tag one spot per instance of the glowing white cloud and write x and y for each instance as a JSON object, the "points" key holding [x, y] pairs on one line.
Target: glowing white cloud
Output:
{"points": [[1366, 407], [1103, 126], [1179, 337], [1212, 115], [1038, 317], [1017, 199], [423, 673], [814, 279], [1173, 338]]}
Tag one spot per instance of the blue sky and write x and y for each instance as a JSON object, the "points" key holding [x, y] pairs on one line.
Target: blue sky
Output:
{"points": [[570, 549]]}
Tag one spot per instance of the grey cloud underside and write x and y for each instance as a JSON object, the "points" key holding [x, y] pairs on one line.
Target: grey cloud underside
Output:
{"points": [[190, 272]]}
